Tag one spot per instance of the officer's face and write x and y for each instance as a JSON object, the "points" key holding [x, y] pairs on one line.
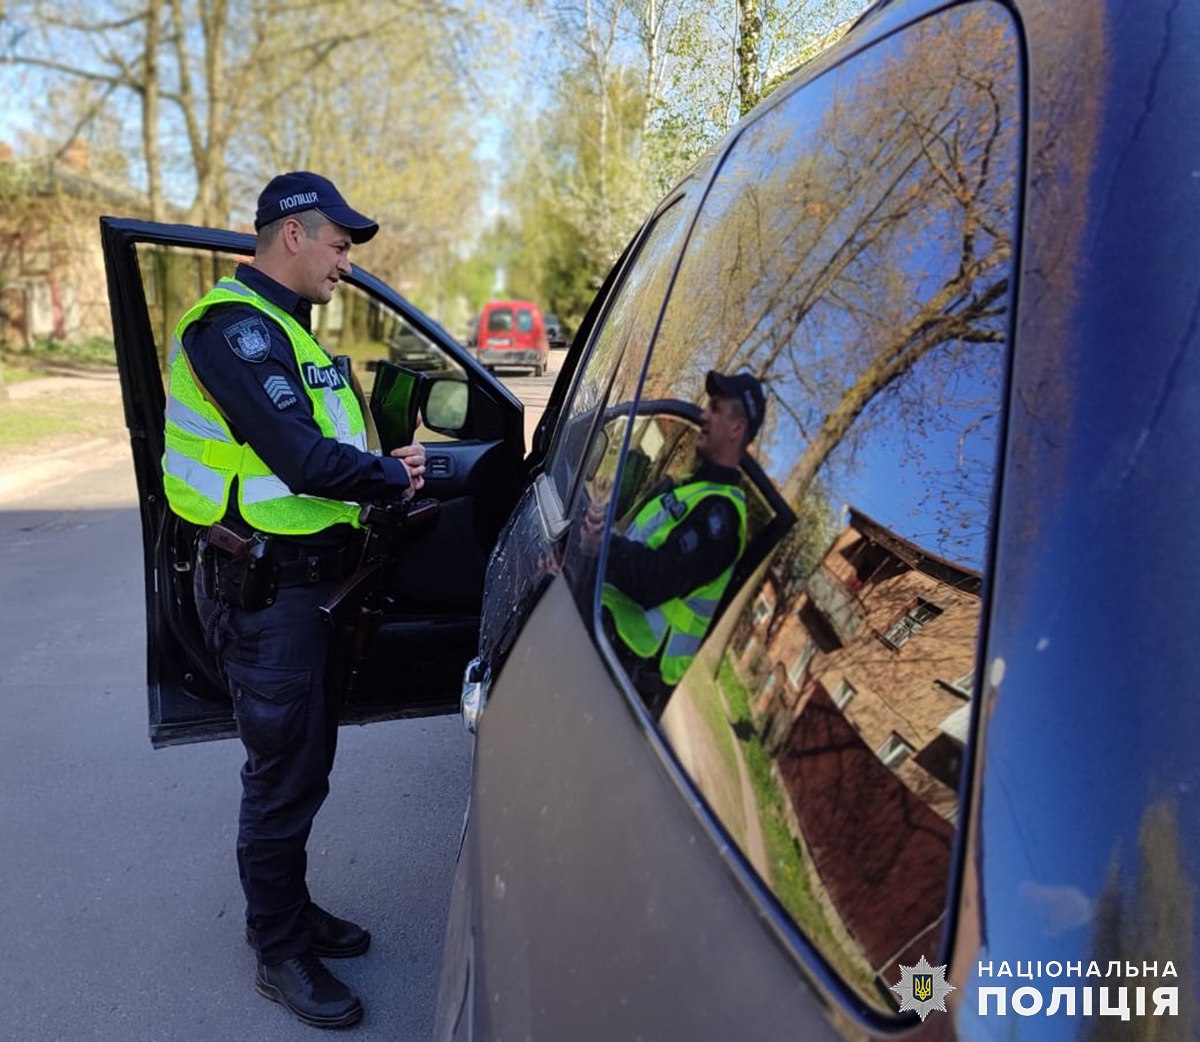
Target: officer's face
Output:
{"points": [[721, 429], [323, 260]]}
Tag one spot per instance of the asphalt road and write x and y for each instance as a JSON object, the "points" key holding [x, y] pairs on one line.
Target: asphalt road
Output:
{"points": [[119, 899]]}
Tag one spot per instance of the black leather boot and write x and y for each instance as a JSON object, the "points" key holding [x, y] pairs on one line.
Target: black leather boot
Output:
{"points": [[309, 991]]}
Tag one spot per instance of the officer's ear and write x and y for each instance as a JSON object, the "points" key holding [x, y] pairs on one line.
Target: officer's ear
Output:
{"points": [[742, 427], [291, 233]]}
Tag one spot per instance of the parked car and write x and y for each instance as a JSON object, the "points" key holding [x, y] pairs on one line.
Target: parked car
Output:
{"points": [[512, 333], [936, 751], [410, 349], [556, 334]]}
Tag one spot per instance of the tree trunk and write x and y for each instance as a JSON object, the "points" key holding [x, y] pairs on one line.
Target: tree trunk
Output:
{"points": [[651, 27], [749, 36], [929, 329], [150, 92]]}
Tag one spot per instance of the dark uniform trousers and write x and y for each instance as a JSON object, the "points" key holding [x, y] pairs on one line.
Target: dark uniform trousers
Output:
{"points": [[275, 663]]}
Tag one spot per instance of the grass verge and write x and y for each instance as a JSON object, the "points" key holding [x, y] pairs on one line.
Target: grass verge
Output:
{"points": [[790, 865], [44, 424], [708, 700], [48, 355], [788, 876]]}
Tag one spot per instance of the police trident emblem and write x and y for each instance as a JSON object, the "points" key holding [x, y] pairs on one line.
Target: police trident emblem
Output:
{"points": [[922, 988], [249, 339], [252, 344]]}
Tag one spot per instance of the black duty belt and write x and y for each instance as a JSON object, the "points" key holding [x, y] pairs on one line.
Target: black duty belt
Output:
{"points": [[300, 568]]}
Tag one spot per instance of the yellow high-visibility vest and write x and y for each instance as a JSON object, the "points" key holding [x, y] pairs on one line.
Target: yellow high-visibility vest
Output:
{"points": [[202, 457], [672, 632]]}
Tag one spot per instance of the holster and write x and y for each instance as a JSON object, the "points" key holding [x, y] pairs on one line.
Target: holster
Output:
{"points": [[239, 568]]}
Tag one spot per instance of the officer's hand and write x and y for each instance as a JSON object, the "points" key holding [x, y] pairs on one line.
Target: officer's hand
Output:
{"points": [[591, 532], [413, 458]]}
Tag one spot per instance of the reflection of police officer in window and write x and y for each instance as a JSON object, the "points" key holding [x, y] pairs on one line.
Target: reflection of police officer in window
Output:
{"points": [[266, 443], [666, 572]]}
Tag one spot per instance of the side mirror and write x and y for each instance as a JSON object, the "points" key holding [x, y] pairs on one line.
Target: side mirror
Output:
{"points": [[446, 404]]}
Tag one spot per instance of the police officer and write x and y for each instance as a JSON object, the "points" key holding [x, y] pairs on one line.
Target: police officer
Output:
{"points": [[667, 571], [266, 439]]}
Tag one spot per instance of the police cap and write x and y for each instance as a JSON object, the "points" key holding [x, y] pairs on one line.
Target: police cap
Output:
{"points": [[290, 194], [745, 388]]}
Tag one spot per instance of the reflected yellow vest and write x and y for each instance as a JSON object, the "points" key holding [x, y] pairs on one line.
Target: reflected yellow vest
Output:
{"points": [[202, 457], [672, 632]]}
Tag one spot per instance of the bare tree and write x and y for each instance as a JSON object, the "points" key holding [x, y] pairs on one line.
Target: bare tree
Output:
{"points": [[863, 260], [396, 133], [826, 297], [190, 66]]}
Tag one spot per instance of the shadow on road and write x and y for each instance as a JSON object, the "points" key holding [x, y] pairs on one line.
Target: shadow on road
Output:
{"points": [[120, 887]]}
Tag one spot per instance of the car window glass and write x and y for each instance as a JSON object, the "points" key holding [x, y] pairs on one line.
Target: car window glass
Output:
{"points": [[353, 323], [854, 254], [499, 320], [629, 320], [661, 453], [524, 320]]}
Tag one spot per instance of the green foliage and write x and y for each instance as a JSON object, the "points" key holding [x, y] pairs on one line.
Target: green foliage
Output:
{"points": [[622, 98], [638, 93], [817, 523], [18, 180], [90, 353], [474, 278], [577, 193], [396, 134]]}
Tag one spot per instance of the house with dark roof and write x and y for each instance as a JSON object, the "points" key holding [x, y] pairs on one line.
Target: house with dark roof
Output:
{"points": [[52, 280], [861, 690]]}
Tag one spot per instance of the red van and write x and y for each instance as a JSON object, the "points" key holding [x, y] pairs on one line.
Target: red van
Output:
{"points": [[512, 333]]}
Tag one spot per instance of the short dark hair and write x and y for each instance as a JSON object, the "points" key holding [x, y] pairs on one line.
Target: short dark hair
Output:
{"points": [[310, 220]]}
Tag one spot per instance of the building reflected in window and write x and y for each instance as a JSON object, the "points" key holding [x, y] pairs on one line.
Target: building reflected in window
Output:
{"points": [[858, 697], [862, 234]]}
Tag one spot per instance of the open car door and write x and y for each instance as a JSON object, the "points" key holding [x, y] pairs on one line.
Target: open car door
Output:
{"points": [[430, 626]]}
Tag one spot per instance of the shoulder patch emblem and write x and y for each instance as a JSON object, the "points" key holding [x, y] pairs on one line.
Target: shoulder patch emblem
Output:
{"points": [[671, 503], [716, 523], [279, 391], [249, 339]]}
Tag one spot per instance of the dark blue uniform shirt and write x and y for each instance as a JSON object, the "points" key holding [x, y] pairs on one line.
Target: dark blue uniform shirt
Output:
{"points": [[275, 418]]}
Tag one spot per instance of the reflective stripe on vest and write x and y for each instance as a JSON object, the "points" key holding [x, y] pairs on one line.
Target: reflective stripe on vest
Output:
{"points": [[677, 628], [202, 457]]}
